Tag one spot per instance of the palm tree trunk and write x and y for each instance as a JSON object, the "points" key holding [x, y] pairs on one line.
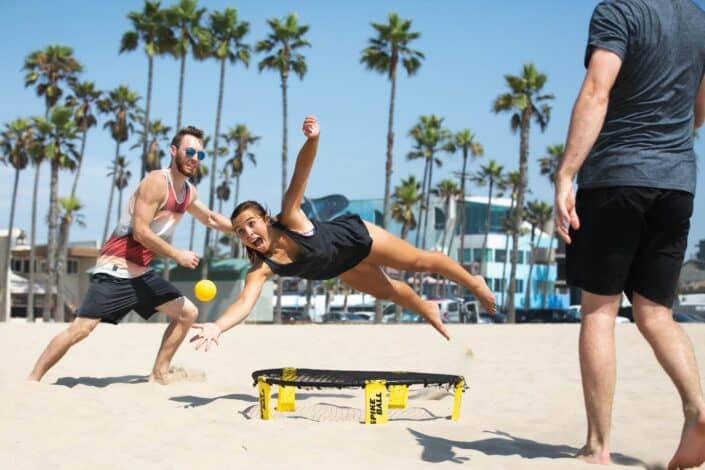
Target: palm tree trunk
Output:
{"points": [[428, 201], [150, 71], [390, 147], [462, 211], [527, 296], [80, 163], [280, 282], [32, 254], [506, 257], [112, 191], [421, 205], [548, 265], [523, 170], [182, 74], [51, 241], [193, 231], [61, 265], [483, 262], [4, 314], [214, 166]]}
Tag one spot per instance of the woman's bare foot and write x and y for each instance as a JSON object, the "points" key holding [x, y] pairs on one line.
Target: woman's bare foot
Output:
{"points": [[433, 316], [589, 455], [485, 296], [691, 450]]}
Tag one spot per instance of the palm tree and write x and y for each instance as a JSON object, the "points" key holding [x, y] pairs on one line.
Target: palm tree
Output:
{"points": [[69, 214], [282, 44], [430, 137], [382, 55], [159, 134], [539, 214], [58, 133], [48, 69], [490, 175], [549, 164], [83, 99], [151, 27], [524, 102], [121, 104], [447, 190], [120, 175], [201, 172], [14, 145], [405, 197], [185, 20], [227, 46], [510, 182], [242, 138], [468, 143]]}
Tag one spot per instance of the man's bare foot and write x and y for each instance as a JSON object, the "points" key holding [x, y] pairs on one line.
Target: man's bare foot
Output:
{"points": [[434, 318], [177, 374], [485, 296], [590, 455], [691, 450]]}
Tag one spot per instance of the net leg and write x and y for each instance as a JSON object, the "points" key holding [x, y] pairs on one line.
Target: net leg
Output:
{"points": [[286, 400], [265, 400], [398, 396], [376, 402], [455, 416]]}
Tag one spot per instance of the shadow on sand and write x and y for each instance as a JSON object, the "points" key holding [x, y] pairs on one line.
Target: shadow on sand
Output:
{"points": [[438, 449], [101, 382], [191, 401]]}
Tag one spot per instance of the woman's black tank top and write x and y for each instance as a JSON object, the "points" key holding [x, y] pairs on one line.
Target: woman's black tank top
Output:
{"points": [[335, 247]]}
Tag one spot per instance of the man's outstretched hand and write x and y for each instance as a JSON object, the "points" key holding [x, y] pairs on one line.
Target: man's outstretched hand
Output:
{"points": [[207, 333]]}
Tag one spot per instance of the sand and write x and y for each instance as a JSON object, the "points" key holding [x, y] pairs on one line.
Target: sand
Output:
{"points": [[524, 409]]}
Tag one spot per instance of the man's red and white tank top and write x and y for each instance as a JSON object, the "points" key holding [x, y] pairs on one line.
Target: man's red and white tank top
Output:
{"points": [[122, 256]]}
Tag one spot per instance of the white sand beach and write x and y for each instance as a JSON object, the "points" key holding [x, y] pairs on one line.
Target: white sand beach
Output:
{"points": [[523, 409]]}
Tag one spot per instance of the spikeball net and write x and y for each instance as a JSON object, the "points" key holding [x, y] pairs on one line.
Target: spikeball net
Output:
{"points": [[383, 389]]}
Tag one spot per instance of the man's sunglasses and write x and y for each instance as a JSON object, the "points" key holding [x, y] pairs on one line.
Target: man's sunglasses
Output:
{"points": [[190, 152]]}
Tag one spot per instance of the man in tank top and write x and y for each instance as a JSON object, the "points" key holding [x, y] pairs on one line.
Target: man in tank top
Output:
{"points": [[122, 280]]}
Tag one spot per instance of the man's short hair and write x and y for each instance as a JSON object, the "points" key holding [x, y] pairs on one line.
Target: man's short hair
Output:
{"points": [[188, 130]]}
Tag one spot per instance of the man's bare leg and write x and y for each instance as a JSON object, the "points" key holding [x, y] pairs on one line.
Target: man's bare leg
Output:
{"points": [[182, 313], [78, 330], [674, 352], [598, 371]]}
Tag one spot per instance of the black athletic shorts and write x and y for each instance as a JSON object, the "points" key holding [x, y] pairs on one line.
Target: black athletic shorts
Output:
{"points": [[110, 298], [631, 239]]}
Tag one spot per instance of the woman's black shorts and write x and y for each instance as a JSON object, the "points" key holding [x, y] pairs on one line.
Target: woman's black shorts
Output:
{"points": [[111, 298], [631, 239]]}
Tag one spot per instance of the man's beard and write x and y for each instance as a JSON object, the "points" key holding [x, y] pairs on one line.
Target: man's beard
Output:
{"points": [[183, 169]]}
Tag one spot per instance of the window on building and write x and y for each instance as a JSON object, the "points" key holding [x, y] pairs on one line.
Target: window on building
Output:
{"points": [[16, 265], [25, 266], [520, 286], [439, 219], [72, 266], [498, 285], [467, 255], [520, 257], [477, 255], [500, 256]]}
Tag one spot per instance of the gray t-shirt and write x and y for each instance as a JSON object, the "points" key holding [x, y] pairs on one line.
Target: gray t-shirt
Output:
{"points": [[647, 137]]}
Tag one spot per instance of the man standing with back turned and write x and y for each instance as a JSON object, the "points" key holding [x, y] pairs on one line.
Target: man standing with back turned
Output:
{"points": [[631, 138]]}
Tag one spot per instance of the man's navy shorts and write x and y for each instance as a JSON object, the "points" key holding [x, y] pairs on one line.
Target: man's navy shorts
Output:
{"points": [[110, 298], [631, 239]]}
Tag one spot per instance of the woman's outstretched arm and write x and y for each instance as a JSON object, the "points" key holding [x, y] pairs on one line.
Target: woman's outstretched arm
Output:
{"points": [[291, 215], [236, 312]]}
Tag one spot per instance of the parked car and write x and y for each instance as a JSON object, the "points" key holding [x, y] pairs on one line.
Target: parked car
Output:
{"points": [[575, 315], [294, 316], [684, 317], [498, 317]]}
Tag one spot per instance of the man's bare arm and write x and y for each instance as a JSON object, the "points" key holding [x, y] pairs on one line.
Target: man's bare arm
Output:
{"points": [[206, 216]]}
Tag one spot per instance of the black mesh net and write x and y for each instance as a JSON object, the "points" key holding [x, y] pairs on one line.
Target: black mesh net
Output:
{"points": [[318, 378]]}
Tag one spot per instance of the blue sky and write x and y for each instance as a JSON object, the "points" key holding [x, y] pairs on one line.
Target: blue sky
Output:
{"points": [[469, 47]]}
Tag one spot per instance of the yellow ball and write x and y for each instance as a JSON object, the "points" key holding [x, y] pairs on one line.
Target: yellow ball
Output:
{"points": [[205, 290]]}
